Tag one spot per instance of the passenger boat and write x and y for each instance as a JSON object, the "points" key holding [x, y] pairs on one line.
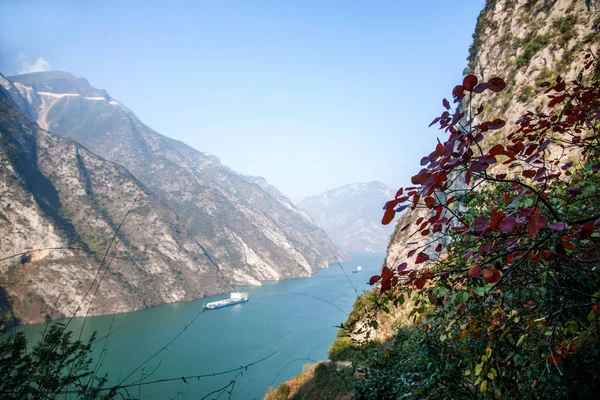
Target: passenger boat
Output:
{"points": [[234, 298]]}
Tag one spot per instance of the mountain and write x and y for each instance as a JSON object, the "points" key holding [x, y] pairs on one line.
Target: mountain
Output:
{"points": [[58, 196], [351, 215], [249, 228]]}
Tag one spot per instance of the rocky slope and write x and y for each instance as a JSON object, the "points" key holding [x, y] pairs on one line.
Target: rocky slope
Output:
{"points": [[526, 42], [250, 229], [351, 215], [56, 194]]}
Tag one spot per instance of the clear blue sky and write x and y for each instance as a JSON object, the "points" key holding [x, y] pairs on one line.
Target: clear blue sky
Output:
{"points": [[309, 94]]}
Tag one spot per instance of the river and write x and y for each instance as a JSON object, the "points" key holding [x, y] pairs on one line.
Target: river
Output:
{"points": [[280, 318]]}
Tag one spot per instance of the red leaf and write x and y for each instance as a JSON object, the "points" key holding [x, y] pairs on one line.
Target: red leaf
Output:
{"points": [[402, 267], [374, 279], [402, 208], [497, 124], [556, 100], [412, 252], [475, 272], [385, 286], [429, 202], [497, 84], [388, 216], [496, 150], [481, 87], [435, 121], [399, 192], [567, 166], [446, 104], [507, 224], [548, 255], [421, 258], [439, 248], [458, 92], [386, 274], [558, 226], [440, 150], [469, 82], [491, 275], [535, 223], [484, 248], [561, 86], [530, 173], [391, 204], [497, 218], [420, 283]]}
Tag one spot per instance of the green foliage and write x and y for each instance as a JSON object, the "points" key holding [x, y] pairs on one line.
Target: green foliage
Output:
{"points": [[564, 27], [342, 349], [320, 381], [480, 27], [525, 93], [282, 392], [531, 44], [56, 363], [410, 367]]}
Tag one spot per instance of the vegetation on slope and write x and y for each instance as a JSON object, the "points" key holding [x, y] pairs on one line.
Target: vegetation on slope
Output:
{"points": [[511, 311]]}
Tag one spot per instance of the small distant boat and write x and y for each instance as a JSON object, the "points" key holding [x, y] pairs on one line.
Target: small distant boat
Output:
{"points": [[357, 269], [234, 298]]}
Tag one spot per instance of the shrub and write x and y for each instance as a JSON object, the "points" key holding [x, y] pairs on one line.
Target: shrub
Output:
{"points": [[511, 310], [532, 44], [55, 364]]}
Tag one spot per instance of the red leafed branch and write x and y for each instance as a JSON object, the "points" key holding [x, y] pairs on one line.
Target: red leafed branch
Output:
{"points": [[534, 164]]}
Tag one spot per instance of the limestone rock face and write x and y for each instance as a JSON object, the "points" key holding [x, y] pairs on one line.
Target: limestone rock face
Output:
{"points": [[57, 196]]}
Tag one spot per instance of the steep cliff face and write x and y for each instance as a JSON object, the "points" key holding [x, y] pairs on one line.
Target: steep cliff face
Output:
{"points": [[351, 215], [251, 231], [58, 196], [525, 42]]}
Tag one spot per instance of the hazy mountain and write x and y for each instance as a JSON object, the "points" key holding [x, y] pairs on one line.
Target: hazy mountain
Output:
{"points": [[351, 215], [251, 230], [56, 194]]}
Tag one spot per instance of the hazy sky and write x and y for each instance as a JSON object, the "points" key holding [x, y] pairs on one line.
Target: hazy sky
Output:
{"points": [[308, 94]]}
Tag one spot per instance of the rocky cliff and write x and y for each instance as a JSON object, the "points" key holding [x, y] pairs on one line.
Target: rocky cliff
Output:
{"points": [[351, 215], [525, 42], [251, 230], [59, 197]]}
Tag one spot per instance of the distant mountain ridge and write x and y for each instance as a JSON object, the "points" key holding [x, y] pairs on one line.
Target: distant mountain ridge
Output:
{"points": [[351, 215], [248, 227]]}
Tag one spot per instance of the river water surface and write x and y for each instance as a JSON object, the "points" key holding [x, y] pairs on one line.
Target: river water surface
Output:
{"points": [[280, 317]]}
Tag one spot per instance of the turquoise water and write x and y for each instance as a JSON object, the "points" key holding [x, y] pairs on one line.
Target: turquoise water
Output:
{"points": [[280, 317]]}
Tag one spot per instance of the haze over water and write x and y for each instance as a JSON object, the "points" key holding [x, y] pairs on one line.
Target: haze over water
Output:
{"points": [[280, 316]]}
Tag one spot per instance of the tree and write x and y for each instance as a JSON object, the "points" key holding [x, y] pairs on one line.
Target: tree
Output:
{"points": [[55, 364], [508, 289]]}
